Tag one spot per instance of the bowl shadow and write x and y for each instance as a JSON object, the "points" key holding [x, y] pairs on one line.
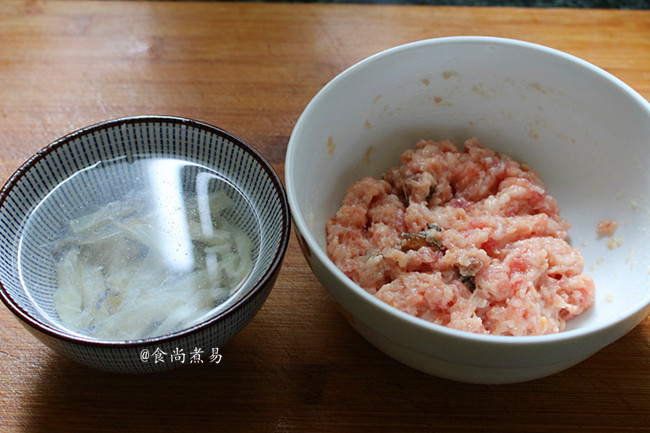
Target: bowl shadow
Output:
{"points": [[313, 380]]}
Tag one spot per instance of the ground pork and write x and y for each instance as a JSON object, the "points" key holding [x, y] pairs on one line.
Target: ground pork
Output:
{"points": [[466, 239]]}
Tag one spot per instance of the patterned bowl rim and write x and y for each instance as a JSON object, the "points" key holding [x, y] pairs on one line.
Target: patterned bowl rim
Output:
{"points": [[266, 279]]}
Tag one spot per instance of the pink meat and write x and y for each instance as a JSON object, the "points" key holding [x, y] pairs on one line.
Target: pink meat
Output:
{"points": [[468, 240]]}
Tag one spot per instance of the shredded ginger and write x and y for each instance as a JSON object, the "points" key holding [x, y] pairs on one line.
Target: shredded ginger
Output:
{"points": [[118, 280]]}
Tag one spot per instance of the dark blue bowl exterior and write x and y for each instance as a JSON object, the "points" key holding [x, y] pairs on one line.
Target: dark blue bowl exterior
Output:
{"points": [[57, 161]]}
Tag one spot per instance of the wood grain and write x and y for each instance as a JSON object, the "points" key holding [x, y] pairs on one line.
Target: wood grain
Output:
{"points": [[251, 68]]}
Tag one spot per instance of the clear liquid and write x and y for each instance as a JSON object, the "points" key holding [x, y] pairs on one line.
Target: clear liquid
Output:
{"points": [[152, 223]]}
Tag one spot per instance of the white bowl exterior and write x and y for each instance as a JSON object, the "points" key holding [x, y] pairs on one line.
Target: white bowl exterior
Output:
{"points": [[583, 130], [458, 355]]}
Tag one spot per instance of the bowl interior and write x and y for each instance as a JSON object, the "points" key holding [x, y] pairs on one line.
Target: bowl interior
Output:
{"points": [[166, 157], [583, 130]]}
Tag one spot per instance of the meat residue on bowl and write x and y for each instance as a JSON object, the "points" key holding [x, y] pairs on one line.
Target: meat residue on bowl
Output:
{"points": [[606, 227], [466, 239]]}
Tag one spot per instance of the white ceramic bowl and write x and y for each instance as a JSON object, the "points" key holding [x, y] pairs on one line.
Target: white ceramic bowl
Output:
{"points": [[586, 133]]}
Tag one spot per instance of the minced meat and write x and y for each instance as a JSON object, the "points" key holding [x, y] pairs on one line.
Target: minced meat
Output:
{"points": [[466, 239]]}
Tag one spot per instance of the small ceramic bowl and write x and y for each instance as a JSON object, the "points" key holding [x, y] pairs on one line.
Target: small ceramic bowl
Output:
{"points": [[29, 223], [582, 129]]}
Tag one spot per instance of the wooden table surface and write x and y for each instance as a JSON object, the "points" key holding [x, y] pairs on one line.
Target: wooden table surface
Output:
{"points": [[251, 68]]}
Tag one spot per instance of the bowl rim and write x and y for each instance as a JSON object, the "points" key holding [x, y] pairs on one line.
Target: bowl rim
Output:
{"points": [[266, 279], [415, 322]]}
